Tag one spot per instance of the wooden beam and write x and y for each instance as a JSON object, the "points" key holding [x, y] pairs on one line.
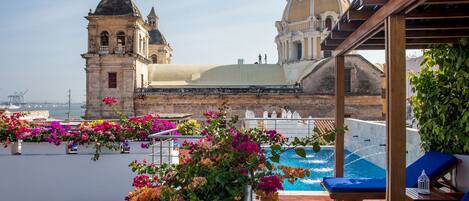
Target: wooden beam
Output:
{"points": [[372, 2], [452, 33], [410, 41], [372, 24], [396, 99], [439, 12], [359, 15], [436, 24], [348, 26], [445, 2], [339, 114]]}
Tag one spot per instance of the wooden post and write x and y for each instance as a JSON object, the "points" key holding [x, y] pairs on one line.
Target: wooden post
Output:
{"points": [[339, 114], [396, 99]]}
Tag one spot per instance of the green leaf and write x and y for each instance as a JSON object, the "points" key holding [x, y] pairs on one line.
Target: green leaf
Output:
{"points": [[276, 147], [275, 158], [300, 152], [268, 165], [316, 147]]}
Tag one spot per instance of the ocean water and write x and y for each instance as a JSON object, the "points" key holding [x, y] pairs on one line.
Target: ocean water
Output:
{"points": [[56, 110], [321, 165]]}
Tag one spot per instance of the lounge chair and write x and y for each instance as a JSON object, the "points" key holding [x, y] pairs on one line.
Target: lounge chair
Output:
{"points": [[466, 197], [436, 166]]}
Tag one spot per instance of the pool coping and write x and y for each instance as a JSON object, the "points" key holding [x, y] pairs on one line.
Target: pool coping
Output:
{"points": [[303, 193]]}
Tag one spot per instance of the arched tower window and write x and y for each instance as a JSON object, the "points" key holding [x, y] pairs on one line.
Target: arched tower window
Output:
{"points": [[328, 23], [104, 38], [154, 58], [121, 39]]}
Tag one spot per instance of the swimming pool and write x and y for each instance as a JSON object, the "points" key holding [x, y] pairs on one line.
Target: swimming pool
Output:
{"points": [[322, 165]]}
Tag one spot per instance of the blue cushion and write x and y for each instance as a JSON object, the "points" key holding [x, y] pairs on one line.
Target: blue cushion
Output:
{"points": [[466, 197], [434, 164], [354, 185]]}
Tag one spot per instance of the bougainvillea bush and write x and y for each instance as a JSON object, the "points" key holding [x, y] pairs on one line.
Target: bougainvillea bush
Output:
{"points": [[222, 165], [12, 128], [99, 134], [441, 100]]}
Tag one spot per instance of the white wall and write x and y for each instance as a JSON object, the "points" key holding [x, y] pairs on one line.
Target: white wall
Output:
{"points": [[359, 131], [47, 174], [356, 140], [462, 173]]}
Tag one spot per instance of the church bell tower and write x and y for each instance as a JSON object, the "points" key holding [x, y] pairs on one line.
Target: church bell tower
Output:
{"points": [[117, 57]]}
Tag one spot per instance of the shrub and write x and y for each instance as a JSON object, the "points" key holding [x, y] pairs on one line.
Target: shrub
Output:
{"points": [[441, 101]]}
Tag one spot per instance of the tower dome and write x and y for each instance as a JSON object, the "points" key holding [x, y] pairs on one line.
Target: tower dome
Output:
{"points": [[117, 8], [156, 38], [297, 10]]}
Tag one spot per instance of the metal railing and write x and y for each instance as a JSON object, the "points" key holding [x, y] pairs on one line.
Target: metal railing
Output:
{"points": [[169, 137], [290, 127]]}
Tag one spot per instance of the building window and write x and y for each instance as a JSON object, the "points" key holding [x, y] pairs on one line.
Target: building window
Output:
{"points": [[348, 80], [299, 51], [121, 39], [328, 24], [112, 80], [104, 38], [154, 59], [327, 53]]}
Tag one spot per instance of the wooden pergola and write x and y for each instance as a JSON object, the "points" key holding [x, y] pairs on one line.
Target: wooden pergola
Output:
{"points": [[393, 26]]}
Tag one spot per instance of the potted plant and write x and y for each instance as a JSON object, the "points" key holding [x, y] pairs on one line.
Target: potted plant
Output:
{"points": [[12, 131]]}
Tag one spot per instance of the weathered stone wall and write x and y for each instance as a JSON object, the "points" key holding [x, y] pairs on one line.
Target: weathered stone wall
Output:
{"points": [[365, 77], [361, 107]]}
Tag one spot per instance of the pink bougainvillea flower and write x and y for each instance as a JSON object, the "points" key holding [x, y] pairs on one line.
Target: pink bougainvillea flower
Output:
{"points": [[142, 181], [270, 184], [110, 101]]}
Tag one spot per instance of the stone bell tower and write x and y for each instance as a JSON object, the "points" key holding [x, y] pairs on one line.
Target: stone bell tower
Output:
{"points": [[160, 50], [117, 57]]}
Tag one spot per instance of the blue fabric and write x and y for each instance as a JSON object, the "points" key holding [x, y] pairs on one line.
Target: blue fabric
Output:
{"points": [[355, 185], [434, 163], [466, 197]]}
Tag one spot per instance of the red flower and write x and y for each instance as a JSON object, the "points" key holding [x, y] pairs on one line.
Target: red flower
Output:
{"points": [[142, 181], [84, 137], [270, 184], [110, 101]]}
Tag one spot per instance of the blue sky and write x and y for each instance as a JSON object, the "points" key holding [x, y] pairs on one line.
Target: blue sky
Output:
{"points": [[43, 39]]}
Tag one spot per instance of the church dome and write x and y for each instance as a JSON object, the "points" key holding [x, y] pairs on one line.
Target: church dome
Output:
{"points": [[297, 10], [117, 8], [157, 38]]}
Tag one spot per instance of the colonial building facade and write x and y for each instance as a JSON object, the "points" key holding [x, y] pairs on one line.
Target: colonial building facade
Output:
{"points": [[130, 59]]}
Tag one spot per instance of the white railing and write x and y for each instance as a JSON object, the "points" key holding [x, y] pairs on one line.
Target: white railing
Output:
{"points": [[104, 50], [169, 137], [120, 50], [290, 127]]}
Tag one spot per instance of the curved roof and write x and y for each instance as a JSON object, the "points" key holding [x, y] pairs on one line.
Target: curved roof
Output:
{"points": [[297, 10], [157, 38], [117, 8], [220, 76]]}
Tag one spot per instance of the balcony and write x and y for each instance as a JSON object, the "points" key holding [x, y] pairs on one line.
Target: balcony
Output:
{"points": [[120, 50], [103, 50]]}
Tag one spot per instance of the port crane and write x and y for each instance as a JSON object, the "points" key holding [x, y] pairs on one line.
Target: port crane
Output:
{"points": [[17, 98]]}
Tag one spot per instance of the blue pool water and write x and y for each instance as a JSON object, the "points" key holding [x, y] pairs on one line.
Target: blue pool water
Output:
{"points": [[322, 165]]}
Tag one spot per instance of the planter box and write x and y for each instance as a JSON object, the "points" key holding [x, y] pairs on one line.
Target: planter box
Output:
{"points": [[5, 150], [462, 176], [43, 148], [89, 149]]}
